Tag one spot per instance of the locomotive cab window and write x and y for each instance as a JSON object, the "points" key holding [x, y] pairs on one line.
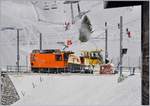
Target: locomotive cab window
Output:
{"points": [[66, 56], [58, 57]]}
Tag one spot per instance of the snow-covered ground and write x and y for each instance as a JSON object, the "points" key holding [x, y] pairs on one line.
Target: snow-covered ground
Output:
{"points": [[77, 89], [23, 14], [70, 89]]}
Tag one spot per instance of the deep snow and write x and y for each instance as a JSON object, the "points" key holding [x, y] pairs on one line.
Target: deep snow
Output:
{"points": [[69, 89]]}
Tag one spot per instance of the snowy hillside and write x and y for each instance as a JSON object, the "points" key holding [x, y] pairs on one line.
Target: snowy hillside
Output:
{"points": [[42, 90], [26, 14]]}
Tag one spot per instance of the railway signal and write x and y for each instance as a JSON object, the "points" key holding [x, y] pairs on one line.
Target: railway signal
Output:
{"points": [[128, 33], [124, 51]]}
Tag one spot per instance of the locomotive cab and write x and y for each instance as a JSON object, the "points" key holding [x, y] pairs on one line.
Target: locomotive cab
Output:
{"points": [[52, 61]]}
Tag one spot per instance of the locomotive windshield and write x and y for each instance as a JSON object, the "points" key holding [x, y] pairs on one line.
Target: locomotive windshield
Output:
{"points": [[58, 57]]}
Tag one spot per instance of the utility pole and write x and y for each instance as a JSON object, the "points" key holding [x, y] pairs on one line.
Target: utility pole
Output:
{"points": [[27, 62], [79, 11], [121, 39], [72, 15], [40, 41], [18, 55], [106, 39]]}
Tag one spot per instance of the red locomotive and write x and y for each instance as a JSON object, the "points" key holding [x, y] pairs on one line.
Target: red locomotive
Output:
{"points": [[52, 60]]}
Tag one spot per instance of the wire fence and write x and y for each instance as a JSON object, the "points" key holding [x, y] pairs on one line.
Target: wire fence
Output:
{"points": [[27, 69], [14, 69]]}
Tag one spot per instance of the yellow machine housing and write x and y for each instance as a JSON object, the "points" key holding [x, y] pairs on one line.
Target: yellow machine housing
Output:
{"points": [[92, 57]]}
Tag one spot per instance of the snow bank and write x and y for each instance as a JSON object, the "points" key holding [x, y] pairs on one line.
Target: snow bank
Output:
{"points": [[69, 89]]}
